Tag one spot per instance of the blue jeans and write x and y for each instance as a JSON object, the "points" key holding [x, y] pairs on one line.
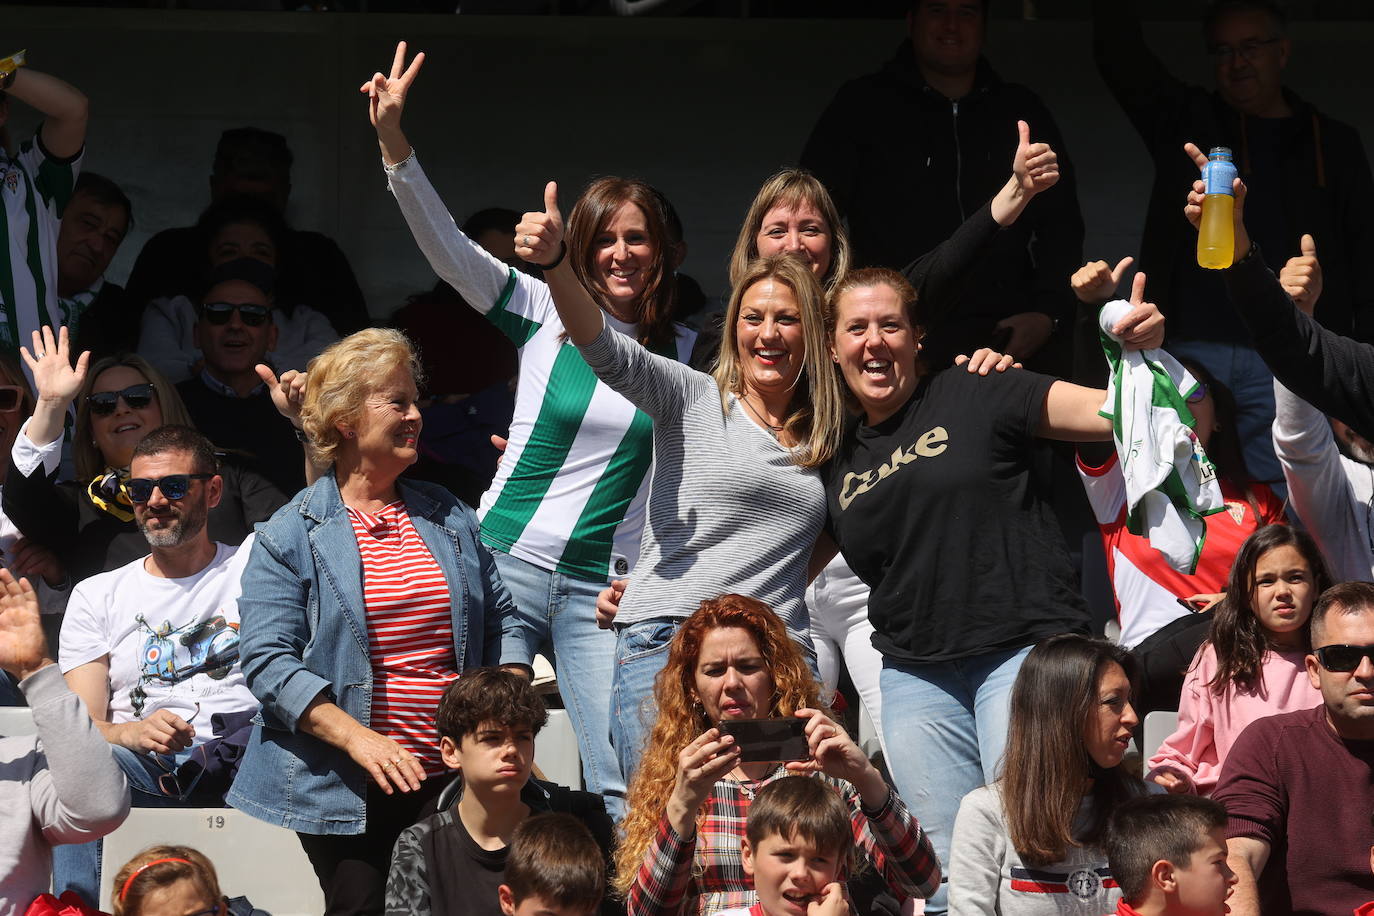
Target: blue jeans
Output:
{"points": [[77, 866], [945, 726], [556, 615], [641, 651], [1240, 369]]}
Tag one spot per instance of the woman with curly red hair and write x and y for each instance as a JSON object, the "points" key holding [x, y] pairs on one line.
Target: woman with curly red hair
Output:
{"points": [[690, 797]]}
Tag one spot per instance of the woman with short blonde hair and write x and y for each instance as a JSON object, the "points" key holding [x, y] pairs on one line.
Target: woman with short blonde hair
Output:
{"points": [[363, 599], [342, 377]]}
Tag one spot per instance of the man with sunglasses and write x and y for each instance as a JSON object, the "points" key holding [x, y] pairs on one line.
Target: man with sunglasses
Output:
{"points": [[1298, 787], [1310, 168], [152, 647], [235, 330]]}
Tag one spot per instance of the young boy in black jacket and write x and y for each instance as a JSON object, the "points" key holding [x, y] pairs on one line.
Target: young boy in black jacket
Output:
{"points": [[453, 863]]}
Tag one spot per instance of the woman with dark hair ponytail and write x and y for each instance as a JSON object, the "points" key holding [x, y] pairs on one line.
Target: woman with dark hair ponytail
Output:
{"points": [[1031, 841], [566, 510], [1253, 663]]}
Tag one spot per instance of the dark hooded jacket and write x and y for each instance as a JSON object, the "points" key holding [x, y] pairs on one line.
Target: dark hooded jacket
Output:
{"points": [[907, 166]]}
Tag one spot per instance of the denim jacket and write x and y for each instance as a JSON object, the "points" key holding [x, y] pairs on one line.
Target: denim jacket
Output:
{"points": [[304, 633]]}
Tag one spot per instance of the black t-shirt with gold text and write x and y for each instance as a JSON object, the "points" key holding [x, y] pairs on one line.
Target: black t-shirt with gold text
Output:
{"points": [[935, 508]]}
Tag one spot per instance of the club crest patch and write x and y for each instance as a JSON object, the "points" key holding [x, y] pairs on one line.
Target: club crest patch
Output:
{"points": [[1084, 884]]}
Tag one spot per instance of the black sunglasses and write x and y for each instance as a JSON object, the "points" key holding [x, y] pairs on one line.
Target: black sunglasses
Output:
{"points": [[136, 396], [220, 312], [1343, 659], [173, 486], [11, 396]]}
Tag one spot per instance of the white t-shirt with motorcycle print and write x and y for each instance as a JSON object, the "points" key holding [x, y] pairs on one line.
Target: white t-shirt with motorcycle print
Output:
{"points": [[173, 643]]}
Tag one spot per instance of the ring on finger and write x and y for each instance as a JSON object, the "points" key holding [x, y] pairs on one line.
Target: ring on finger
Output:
{"points": [[389, 765], [527, 241]]}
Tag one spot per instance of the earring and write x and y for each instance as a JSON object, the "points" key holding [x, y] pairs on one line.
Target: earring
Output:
{"points": [[349, 434]]}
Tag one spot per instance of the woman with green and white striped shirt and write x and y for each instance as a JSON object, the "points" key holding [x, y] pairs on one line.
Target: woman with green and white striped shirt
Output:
{"points": [[565, 512]]}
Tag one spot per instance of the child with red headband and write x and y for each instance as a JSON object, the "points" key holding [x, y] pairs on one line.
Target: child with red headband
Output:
{"points": [[168, 879]]}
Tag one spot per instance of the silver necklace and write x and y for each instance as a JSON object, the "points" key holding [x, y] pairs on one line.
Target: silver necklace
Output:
{"points": [[769, 426]]}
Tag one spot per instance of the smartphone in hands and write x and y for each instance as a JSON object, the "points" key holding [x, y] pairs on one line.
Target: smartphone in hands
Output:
{"points": [[761, 740]]}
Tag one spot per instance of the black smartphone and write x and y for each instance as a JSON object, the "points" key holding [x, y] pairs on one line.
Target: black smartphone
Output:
{"points": [[762, 740]]}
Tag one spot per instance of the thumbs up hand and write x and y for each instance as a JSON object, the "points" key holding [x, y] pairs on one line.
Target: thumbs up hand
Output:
{"points": [[539, 235], [1301, 277], [1143, 326], [1036, 166], [1094, 283]]}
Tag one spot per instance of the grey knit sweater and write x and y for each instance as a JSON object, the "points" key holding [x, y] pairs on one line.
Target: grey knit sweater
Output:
{"points": [[729, 511], [62, 787]]}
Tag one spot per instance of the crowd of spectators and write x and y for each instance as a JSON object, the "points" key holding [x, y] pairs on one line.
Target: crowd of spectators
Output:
{"points": [[256, 551]]}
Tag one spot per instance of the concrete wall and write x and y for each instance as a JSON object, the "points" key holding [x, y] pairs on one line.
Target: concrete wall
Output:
{"points": [[703, 108]]}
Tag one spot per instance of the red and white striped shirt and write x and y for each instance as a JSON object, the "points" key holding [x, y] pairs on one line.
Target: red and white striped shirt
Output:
{"points": [[410, 630]]}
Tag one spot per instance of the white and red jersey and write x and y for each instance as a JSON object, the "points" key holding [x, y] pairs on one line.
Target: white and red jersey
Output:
{"points": [[409, 627], [1147, 588]]}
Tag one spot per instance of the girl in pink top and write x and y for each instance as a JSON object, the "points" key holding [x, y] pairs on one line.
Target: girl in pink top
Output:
{"points": [[1253, 663]]}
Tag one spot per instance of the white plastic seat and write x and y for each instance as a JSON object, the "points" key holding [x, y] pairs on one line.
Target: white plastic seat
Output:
{"points": [[253, 858], [1159, 725], [555, 751]]}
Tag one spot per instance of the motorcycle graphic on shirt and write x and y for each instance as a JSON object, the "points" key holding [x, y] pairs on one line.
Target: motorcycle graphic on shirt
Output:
{"points": [[174, 655]]}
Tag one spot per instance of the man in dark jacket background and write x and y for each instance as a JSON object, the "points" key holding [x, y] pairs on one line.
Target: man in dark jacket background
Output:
{"points": [[1310, 168], [912, 150]]}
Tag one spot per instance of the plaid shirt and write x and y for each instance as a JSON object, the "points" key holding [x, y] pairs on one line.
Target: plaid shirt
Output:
{"points": [[704, 874]]}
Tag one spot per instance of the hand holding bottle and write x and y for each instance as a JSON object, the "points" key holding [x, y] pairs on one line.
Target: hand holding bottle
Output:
{"points": [[1193, 209]]}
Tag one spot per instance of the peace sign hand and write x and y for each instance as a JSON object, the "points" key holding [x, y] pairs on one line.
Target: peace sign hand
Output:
{"points": [[387, 100]]}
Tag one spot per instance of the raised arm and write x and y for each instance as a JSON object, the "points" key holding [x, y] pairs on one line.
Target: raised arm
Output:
{"points": [[64, 129], [1144, 88], [1071, 411], [57, 381], [81, 793], [387, 100], [941, 275], [1335, 374], [539, 240], [484, 282]]}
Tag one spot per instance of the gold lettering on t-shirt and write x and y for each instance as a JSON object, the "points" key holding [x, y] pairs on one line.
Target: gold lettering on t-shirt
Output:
{"points": [[931, 443]]}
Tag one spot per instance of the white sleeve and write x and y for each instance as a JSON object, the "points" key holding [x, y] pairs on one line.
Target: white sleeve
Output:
{"points": [[1317, 484], [483, 281], [84, 638], [165, 339], [1106, 489], [26, 455]]}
